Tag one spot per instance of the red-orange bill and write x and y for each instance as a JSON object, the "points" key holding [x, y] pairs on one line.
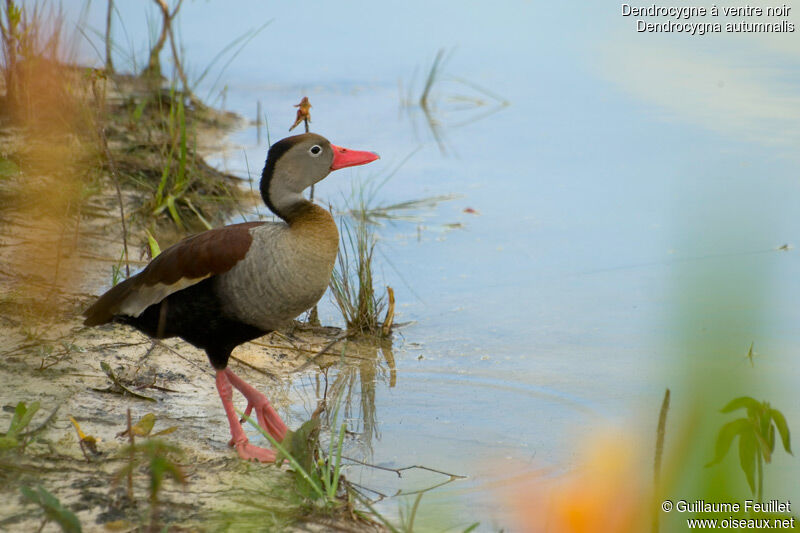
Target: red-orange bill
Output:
{"points": [[343, 157]]}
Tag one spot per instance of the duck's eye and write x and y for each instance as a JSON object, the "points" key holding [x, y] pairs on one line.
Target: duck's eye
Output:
{"points": [[315, 150]]}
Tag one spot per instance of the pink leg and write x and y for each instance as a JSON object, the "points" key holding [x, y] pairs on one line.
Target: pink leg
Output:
{"points": [[239, 440], [268, 418]]}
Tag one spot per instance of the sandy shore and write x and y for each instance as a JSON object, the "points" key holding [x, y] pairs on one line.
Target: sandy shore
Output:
{"points": [[50, 270]]}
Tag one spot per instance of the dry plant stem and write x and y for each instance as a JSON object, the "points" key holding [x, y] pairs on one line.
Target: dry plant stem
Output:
{"points": [[114, 174], [313, 316], [363, 489], [386, 329], [153, 68], [109, 61], [399, 471], [432, 75], [130, 471], [153, 345], [254, 367], [305, 123], [101, 131], [202, 369], [10, 48], [111, 259], [177, 60], [282, 347], [323, 351], [662, 426]]}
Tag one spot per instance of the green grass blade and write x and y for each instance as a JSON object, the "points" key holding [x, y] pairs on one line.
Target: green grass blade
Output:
{"points": [[378, 515], [337, 468], [327, 475], [748, 450], [413, 513], [14, 428], [285, 452], [163, 184], [53, 509], [27, 416], [173, 211], [726, 435], [743, 402], [139, 111], [197, 213], [155, 249], [244, 39], [783, 429]]}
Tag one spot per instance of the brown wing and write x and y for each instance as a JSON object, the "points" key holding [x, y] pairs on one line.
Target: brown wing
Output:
{"points": [[182, 265]]}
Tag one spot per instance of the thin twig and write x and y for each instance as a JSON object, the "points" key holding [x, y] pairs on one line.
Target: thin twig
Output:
{"points": [[281, 347], [399, 471], [311, 196], [110, 259], [202, 369], [313, 315], [313, 359], [153, 344], [426, 489], [381, 496], [253, 367], [101, 130], [125, 390], [132, 458]]}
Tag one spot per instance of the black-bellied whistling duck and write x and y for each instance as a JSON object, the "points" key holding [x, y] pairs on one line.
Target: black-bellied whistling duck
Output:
{"points": [[226, 286]]}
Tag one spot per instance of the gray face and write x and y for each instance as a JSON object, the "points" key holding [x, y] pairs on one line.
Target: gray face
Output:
{"points": [[293, 165], [307, 161]]}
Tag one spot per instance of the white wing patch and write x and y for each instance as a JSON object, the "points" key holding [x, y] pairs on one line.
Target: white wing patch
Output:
{"points": [[146, 295]]}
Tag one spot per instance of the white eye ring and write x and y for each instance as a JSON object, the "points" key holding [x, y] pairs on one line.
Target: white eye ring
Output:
{"points": [[315, 150]]}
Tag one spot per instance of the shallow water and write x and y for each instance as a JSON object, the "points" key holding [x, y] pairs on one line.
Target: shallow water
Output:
{"points": [[626, 168]]}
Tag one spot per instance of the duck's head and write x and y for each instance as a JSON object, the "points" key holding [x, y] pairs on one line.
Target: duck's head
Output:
{"points": [[298, 162]]}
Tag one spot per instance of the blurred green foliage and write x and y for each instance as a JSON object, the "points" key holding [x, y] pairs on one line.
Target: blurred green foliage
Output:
{"points": [[53, 510], [756, 432]]}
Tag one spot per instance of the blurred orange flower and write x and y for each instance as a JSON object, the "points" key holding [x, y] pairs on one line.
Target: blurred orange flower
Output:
{"points": [[604, 493]]}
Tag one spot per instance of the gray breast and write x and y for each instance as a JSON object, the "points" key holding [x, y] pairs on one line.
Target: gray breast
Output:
{"points": [[278, 279]]}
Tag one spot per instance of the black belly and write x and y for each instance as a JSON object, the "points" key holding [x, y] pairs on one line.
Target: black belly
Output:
{"points": [[195, 315]]}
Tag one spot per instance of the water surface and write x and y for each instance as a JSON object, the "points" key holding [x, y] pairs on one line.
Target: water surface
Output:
{"points": [[624, 164]]}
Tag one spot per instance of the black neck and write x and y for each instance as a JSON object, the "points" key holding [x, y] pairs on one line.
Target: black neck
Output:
{"points": [[274, 154], [266, 177]]}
